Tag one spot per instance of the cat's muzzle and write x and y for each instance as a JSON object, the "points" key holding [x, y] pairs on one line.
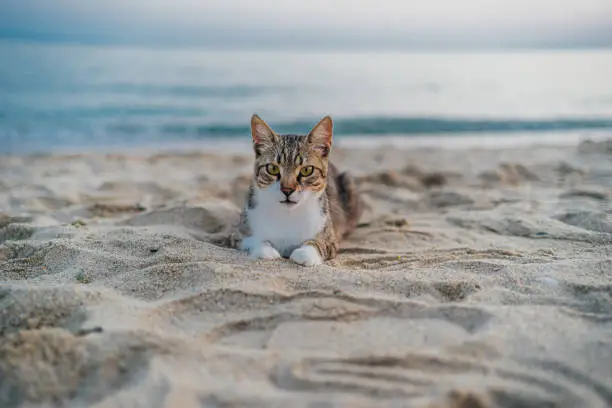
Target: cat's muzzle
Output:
{"points": [[288, 191]]}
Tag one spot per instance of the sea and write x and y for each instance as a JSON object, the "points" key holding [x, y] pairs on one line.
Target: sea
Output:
{"points": [[90, 97]]}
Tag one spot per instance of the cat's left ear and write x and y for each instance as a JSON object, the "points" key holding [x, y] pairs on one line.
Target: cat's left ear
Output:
{"points": [[320, 137], [263, 136]]}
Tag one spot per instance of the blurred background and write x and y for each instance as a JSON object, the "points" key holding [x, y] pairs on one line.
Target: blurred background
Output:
{"points": [[83, 75]]}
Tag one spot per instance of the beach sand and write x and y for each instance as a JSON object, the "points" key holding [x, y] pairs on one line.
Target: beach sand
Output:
{"points": [[476, 278]]}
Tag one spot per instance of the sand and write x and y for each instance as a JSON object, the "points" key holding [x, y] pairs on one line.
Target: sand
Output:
{"points": [[476, 278]]}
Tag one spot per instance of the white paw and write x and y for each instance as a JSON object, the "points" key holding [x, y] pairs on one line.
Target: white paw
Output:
{"points": [[307, 256], [263, 251]]}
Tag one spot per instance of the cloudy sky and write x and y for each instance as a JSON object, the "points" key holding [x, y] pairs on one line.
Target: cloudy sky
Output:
{"points": [[316, 23]]}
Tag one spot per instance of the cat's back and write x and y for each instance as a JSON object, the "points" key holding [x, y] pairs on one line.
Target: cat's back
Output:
{"points": [[345, 204]]}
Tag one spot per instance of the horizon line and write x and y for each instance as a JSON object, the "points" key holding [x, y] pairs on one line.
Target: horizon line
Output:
{"points": [[94, 40]]}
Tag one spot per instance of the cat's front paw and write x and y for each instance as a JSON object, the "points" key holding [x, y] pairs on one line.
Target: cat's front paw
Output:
{"points": [[306, 255], [258, 249], [264, 251]]}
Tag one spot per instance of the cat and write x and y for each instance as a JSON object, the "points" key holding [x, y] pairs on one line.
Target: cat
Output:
{"points": [[298, 205]]}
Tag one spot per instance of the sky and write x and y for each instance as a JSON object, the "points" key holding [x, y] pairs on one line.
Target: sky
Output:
{"points": [[314, 23]]}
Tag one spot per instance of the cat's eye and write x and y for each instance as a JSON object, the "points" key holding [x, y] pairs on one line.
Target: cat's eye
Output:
{"points": [[272, 169], [306, 171]]}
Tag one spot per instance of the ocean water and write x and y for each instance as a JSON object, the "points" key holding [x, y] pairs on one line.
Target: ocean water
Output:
{"points": [[75, 96]]}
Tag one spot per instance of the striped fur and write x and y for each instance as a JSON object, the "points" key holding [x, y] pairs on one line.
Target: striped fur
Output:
{"points": [[318, 208]]}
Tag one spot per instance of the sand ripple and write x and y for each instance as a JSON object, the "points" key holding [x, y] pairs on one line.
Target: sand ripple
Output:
{"points": [[475, 279]]}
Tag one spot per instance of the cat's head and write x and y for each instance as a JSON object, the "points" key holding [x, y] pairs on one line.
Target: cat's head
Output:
{"points": [[291, 169]]}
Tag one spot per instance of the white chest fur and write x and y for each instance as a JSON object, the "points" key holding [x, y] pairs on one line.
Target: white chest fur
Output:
{"points": [[286, 228]]}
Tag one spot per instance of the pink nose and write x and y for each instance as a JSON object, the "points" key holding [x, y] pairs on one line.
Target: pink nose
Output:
{"points": [[287, 190]]}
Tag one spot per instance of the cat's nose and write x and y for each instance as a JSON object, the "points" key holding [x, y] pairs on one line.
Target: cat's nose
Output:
{"points": [[287, 190]]}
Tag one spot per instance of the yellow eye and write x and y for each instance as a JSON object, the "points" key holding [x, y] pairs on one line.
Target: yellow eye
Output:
{"points": [[273, 169], [306, 171]]}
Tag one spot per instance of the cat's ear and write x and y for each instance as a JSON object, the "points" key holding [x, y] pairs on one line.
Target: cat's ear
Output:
{"points": [[320, 137], [263, 135]]}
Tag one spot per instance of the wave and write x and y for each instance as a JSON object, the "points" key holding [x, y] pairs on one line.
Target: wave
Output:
{"points": [[45, 135], [384, 126]]}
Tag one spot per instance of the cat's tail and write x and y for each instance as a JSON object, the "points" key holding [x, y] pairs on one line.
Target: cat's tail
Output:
{"points": [[350, 200]]}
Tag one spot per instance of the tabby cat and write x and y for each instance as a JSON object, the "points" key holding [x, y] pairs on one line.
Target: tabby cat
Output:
{"points": [[298, 206]]}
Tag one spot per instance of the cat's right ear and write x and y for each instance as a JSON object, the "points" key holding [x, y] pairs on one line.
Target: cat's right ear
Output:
{"points": [[263, 135]]}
